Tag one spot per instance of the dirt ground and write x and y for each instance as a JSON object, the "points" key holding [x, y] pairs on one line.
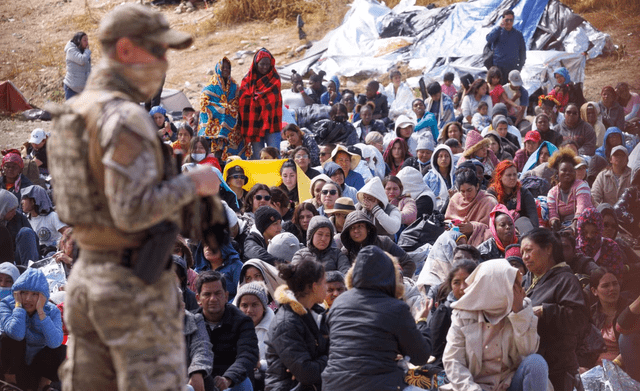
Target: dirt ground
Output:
{"points": [[34, 34]]}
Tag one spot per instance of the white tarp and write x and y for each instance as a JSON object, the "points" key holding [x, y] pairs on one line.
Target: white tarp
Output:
{"points": [[373, 38]]}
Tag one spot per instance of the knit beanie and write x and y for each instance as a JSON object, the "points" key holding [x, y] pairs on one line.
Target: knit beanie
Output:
{"points": [[283, 246], [265, 216], [256, 288]]}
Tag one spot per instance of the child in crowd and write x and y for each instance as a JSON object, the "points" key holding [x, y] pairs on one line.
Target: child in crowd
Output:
{"points": [[447, 86], [38, 207], [481, 118]]}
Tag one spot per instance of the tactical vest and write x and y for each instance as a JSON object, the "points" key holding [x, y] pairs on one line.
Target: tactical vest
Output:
{"points": [[77, 173]]}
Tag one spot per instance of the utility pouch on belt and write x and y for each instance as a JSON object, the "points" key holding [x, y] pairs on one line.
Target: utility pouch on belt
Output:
{"points": [[153, 257]]}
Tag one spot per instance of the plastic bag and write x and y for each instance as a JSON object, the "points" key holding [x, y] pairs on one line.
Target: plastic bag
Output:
{"points": [[608, 377], [54, 272]]}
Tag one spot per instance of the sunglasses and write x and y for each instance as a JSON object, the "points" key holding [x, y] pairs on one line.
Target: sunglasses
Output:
{"points": [[300, 157], [508, 20], [259, 197], [324, 153], [332, 192], [237, 176]]}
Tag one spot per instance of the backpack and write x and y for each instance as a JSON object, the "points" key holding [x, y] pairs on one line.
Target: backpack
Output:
{"points": [[536, 185]]}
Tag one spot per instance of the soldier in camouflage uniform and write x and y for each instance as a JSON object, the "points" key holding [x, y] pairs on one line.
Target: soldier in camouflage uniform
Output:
{"points": [[113, 184]]}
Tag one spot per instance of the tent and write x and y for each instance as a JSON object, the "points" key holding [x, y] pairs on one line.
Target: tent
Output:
{"points": [[11, 99], [374, 38]]}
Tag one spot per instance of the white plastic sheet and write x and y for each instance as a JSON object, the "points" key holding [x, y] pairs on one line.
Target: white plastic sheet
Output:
{"points": [[443, 39]]}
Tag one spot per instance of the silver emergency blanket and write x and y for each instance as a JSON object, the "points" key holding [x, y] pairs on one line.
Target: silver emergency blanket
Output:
{"points": [[373, 38]]}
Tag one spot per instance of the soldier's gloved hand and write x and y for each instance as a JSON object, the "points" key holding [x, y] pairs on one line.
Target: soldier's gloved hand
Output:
{"points": [[207, 181]]}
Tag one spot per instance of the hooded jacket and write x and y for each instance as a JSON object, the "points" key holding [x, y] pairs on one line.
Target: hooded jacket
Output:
{"points": [[78, 67], [532, 162], [351, 248], [387, 217], [583, 134], [436, 182], [605, 150], [369, 326], [16, 324], [413, 186], [331, 257], [230, 267], [269, 273], [325, 98], [297, 345], [330, 168], [598, 127]]}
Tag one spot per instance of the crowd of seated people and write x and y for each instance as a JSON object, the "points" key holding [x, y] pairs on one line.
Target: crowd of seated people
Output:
{"points": [[506, 230]]}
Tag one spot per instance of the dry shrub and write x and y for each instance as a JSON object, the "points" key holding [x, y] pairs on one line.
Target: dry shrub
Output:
{"points": [[236, 11]]}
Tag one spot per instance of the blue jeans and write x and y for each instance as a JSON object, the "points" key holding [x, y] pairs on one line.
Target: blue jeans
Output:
{"points": [[532, 374], [271, 139], [68, 92], [26, 247]]}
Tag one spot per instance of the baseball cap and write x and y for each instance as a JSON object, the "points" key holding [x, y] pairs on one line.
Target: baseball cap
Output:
{"points": [[515, 78], [532, 135], [138, 21], [37, 135], [620, 148], [583, 162]]}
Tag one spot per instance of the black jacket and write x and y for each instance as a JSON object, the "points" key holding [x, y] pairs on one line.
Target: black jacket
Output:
{"points": [[295, 343], [564, 317], [235, 345], [351, 248], [369, 327], [415, 163], [256, 247]]}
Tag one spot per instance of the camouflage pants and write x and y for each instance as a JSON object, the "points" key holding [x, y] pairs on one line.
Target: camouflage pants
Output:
{"points": [[124, 334]]}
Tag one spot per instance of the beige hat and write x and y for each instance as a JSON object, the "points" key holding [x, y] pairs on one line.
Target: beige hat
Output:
{"points": [[342, 205], [141, 22], [355, 158]]}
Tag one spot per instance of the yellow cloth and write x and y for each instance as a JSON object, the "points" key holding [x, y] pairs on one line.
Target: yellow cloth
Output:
{"points": [[268, 172]]}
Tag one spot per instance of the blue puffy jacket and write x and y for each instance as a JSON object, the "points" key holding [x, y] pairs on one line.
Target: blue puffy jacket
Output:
{"points": [[18, 325]]}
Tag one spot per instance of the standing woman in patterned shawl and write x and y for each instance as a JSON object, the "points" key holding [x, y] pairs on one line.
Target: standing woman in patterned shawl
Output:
{"points": [[219, 112], [260, 105]]}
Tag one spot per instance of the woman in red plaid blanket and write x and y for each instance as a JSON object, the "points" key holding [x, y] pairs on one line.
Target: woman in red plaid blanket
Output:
{"points": [[260, 105]]}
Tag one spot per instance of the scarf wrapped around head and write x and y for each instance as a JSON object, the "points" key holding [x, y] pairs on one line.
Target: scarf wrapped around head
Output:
{"points": [[490, 290], [12, 156], [260, 102], [497, 210], [604, 251], [219, 110], [586, 246]]}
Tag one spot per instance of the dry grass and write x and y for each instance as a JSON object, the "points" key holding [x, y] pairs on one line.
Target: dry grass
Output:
{"points": [[615, 6], [238, 11]]}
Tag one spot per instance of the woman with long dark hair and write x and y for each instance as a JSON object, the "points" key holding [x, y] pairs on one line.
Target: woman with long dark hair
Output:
{"points": [[477, 93], [297, 343], [558, 302], [78, 58]]}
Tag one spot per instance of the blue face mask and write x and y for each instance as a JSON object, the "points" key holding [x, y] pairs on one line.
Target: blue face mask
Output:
{"points": [[4, 292]]}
